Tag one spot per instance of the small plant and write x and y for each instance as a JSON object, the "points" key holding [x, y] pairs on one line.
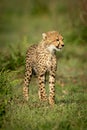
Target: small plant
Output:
{"points": [[5, 94], [14, 58]]}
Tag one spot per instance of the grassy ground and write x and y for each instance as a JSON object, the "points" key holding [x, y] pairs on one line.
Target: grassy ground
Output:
{"points": [[70, 110]]}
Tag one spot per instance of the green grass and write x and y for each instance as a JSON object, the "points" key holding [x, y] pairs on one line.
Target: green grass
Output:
{"points": [[70, 110], [19, 29]]}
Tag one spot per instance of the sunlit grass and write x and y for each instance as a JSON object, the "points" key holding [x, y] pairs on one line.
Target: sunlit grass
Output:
{"points": [[18, 31], [70, 109]]}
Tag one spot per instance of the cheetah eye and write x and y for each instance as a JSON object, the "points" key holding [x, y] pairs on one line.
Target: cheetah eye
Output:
{"points": [[57, 39]]}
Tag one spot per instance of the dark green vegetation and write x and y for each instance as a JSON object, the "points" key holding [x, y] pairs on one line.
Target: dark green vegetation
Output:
{"points": [[21, 24]]}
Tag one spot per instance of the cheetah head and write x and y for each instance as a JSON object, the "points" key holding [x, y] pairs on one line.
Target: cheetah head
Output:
{"points": [[53, 41]]}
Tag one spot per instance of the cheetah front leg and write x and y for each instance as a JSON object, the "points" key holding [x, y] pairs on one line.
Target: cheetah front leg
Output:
{"points": [[28, 73], [42, 91], [52, 88]]}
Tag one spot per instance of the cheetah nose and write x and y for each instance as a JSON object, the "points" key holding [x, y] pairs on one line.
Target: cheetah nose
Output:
{"points": [[62, 45]]}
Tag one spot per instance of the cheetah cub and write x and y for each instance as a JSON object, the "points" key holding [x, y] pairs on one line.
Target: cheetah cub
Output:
{"points": [[42, 58]]}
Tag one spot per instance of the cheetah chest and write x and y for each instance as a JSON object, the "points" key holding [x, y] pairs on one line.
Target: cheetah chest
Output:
{"points": [[50, 62]]}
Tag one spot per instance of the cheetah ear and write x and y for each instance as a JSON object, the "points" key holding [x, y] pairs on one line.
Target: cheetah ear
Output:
{"points": [[44, 35]]}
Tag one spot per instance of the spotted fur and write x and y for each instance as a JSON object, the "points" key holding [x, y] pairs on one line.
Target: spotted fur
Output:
{"points": [[42, 58]]}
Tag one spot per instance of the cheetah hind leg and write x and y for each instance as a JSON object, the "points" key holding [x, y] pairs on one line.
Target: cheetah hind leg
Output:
{"points": [[27, 79]]}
